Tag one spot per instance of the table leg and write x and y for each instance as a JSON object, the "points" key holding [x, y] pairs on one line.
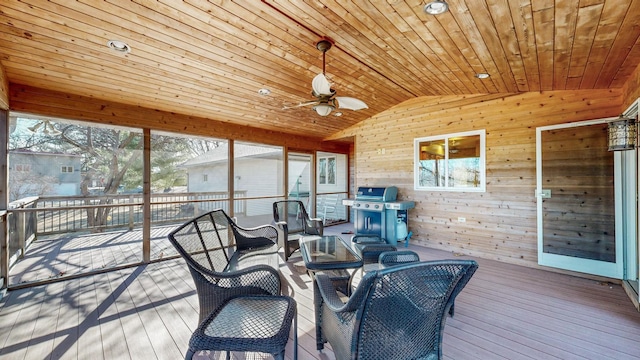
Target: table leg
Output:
{"points": [[317, 304]]}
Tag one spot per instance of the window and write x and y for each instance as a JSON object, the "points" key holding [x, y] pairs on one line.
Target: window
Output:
{"points": [[205, 177], [23, 167], [327, 170], [454, 162], [67, 169]]}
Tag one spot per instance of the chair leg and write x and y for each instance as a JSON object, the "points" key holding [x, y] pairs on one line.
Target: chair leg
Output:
{"points": [[295, 335]]}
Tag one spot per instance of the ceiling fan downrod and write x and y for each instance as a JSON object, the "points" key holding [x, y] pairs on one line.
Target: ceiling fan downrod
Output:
{"points": [[324, 45]]}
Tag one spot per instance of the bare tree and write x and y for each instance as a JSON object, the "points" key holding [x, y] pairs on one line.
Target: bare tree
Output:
{"points": [[26, 183], [112, 158]]}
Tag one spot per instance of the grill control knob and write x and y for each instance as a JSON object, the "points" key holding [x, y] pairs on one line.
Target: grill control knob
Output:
{"points": [[357, 204], [366, 205], [377, 206]]}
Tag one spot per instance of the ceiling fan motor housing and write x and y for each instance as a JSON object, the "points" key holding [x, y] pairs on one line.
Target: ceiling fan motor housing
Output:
{"points": [[324, 44]]}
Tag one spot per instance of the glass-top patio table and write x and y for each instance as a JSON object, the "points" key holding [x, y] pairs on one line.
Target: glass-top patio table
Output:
{"points": [[330, 252]]}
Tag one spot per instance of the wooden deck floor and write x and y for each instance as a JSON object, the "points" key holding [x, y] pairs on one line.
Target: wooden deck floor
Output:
{"points": [[56, 256], [148, 312]]}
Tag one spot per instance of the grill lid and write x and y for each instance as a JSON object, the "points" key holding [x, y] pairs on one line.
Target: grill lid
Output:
{"points": [[389, 193]]}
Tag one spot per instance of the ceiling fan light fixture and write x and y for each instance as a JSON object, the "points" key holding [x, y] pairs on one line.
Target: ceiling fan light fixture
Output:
{"points": [[36, 127], [46, 127], [324, 109], [436, 7]]}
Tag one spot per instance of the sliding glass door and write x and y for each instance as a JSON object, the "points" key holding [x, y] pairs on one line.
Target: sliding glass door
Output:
{"points": [[579, 200]]}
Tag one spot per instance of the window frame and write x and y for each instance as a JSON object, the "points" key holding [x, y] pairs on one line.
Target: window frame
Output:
{"points": [[445, 138]]}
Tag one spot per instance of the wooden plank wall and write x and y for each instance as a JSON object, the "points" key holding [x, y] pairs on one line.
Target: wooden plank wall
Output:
{"points": [[51, 103], [501, 222]]}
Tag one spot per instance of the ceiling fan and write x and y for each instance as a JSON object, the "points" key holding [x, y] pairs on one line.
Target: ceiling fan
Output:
{"points": [[326, 100]]}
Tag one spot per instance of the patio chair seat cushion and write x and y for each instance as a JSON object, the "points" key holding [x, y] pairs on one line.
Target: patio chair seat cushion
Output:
{"points": [[247, 323]]}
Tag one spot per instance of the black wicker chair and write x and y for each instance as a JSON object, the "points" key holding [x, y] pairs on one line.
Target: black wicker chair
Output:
{"points": [[293, 222], [369, 247], [227, 260], [392, 258], [395, 313]]}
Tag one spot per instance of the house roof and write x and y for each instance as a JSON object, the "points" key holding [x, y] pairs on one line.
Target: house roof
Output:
{"points": [[38, 153], [210, 58], [221, 154]]}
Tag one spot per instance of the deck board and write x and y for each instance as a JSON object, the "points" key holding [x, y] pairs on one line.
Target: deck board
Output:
{"points": [[148, 312], [65, 342]]}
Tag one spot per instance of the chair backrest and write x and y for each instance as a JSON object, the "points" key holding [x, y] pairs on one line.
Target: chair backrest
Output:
{"points": [[208, 240], [327, 204], [293, 213], [393, 258], [204, 241], [406, 306]]}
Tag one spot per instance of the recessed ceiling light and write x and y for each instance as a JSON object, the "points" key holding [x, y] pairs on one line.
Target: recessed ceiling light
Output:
{"points": [[337, 113], [436, 7], [482, 75], [119, 46], [264, 92]]}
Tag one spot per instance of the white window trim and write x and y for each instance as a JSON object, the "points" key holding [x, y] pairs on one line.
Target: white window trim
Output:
{"points": [[445, 137]]}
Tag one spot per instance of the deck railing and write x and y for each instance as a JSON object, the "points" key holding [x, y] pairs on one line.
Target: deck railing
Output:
{"points": [[44, 215]]}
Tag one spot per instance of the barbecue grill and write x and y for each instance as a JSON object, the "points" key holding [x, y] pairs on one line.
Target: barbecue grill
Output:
{"points": [[378, 213]]}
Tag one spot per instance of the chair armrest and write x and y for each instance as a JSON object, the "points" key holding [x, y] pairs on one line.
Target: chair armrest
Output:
{"points": [[282, 225], [283, 233], [332, 299], [317, 225], [328, 292]]}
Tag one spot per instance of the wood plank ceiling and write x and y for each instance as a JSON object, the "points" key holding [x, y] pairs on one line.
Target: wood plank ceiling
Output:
{"points": [[210, 58]]}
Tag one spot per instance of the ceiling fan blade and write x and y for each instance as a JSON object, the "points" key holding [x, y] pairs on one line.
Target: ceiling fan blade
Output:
{"points": [[349, 103], [306, 103], [321, 85]]}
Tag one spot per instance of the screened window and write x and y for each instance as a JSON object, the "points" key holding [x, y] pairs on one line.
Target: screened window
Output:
{"points": [[257, 171], [454, 162], [67, 169]]}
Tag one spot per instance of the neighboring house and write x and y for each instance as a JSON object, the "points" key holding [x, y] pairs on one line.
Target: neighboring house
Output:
{"points": [[257, 169], [38, 173]]}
